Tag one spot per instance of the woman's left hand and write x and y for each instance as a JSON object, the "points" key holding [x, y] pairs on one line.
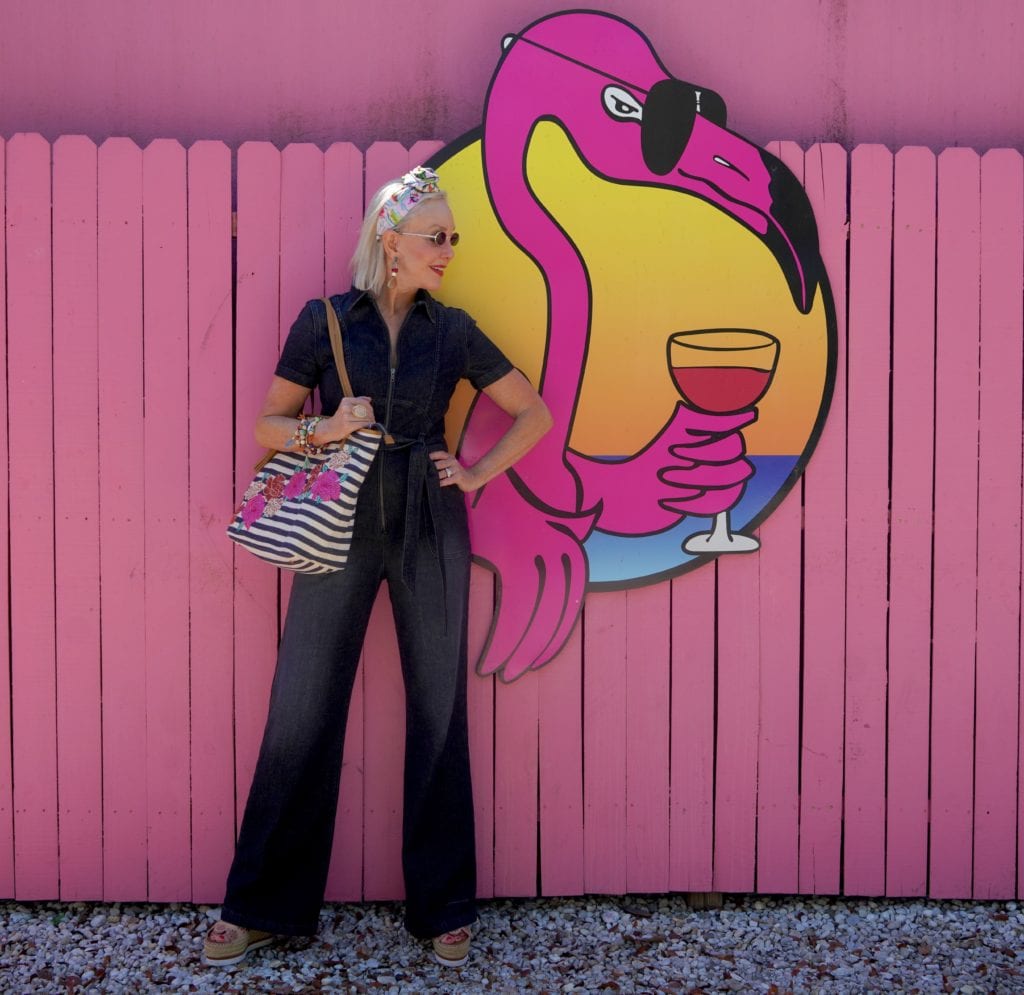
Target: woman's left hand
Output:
{"points": [[451, 473]]}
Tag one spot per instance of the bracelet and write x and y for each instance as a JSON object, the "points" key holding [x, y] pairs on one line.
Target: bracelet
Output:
{"points": [[303, 433], [311, 424]]}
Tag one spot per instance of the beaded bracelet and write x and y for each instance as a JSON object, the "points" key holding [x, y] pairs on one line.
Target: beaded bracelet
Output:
{"points": [[303, 432]]}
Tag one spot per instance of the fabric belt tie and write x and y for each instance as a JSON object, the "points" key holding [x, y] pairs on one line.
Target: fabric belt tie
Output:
{"points": [[419, 467]]}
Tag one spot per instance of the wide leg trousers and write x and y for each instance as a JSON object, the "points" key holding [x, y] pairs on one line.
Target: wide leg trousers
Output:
{"points": [[279, 873]]}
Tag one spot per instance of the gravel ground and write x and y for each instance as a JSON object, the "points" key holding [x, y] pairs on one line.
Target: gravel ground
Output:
{"points": [[606, 944]]}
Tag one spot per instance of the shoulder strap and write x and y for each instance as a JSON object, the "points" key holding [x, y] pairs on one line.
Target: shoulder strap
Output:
{"points": [[334, 331]]}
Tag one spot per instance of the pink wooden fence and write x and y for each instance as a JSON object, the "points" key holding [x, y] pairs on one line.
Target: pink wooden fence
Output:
{"points": [[838, 713]]}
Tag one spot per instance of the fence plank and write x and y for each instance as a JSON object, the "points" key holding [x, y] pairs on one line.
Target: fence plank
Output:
{"points": [[910, 554], [30, 454], [648, 700], [384, 692], [165, 328], [210, 501], [302, 254], [257, 321], [999, 531], [867, 469], [516, 721], [692, 770], [605, 645], [824, 562], [6, 759], [122, 537], [480, 695], [956, 537], [560, 693], [738, 625], [343, 210], [778, 751], [76, 519]]}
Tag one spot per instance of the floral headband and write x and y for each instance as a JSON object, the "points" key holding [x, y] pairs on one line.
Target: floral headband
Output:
{"points": [[416, 184]]}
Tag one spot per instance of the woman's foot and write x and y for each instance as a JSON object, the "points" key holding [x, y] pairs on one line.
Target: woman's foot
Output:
{"points": [[227, 944], [452, 949]]}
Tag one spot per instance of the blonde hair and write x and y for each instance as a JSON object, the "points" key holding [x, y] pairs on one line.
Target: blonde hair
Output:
{"points": [[369, 267]]}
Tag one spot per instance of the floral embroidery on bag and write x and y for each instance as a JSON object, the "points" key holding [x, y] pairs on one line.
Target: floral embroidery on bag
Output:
{"points": [[274, 487], [253, 509], [340, 459], [326, 487], [266, 495], [296, 485]]}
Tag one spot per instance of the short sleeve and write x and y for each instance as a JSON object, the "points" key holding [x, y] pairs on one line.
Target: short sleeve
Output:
{"points": [[485, 363], [299, 361]]}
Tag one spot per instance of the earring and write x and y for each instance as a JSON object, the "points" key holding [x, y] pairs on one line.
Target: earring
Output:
{"points": [[394, 272]]}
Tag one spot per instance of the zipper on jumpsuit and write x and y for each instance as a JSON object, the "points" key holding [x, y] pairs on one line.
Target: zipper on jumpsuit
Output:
{"points": [[380, 475], [387, 404]]}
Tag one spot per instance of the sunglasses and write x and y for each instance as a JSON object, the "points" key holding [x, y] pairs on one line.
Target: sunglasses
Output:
{"points": [[439, 238]]}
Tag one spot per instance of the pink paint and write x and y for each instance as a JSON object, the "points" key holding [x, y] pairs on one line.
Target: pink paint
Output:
{"points": [[954, 595], [605, 649], [255, 69], [210, 491], [538, 749], [30, 422], [165, 473], [258, 249], [910, 537], [778, 751], [480, 705], [647, 707], [516, 720], [867, 468], [824, 586], [692, 750], [778, 744], [122, 525], [560, 695], [76, 520], [6, 785], [999, 515], [736, 746]]}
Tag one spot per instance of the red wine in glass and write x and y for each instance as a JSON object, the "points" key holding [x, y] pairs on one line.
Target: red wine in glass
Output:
{"points": [[721, 389], [722, 371]]}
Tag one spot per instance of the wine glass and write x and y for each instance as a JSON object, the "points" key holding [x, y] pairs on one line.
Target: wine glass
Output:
{"points": [[722, 371]]}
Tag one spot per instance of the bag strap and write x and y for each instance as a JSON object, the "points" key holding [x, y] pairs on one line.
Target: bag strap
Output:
{"points": [[334, 332]]}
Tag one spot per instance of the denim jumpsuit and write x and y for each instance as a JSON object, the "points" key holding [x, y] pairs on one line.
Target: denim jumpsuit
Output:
{"points": [[412, 533]]}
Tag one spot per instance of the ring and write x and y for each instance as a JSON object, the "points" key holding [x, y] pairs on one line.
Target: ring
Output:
{"points": [[448, 470], [359, 411]]}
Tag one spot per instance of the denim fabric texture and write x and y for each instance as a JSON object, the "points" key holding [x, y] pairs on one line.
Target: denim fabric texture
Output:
{"points": [[413, 534]]}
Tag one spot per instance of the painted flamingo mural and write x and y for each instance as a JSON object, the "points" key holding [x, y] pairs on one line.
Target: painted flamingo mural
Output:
{"points": [[659, 277]]}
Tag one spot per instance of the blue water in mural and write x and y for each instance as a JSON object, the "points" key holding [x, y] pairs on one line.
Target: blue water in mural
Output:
{"points": [[624, 560]]}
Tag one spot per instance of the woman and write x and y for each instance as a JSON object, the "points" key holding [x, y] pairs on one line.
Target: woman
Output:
{"points": [[405, 353]]}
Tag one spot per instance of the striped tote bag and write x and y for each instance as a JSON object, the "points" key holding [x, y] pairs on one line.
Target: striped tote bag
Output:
{"points": [[299, 510]]}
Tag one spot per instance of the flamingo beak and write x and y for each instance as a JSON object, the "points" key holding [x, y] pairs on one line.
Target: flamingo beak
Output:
{"points": [[685, 141], [792, 233]]}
